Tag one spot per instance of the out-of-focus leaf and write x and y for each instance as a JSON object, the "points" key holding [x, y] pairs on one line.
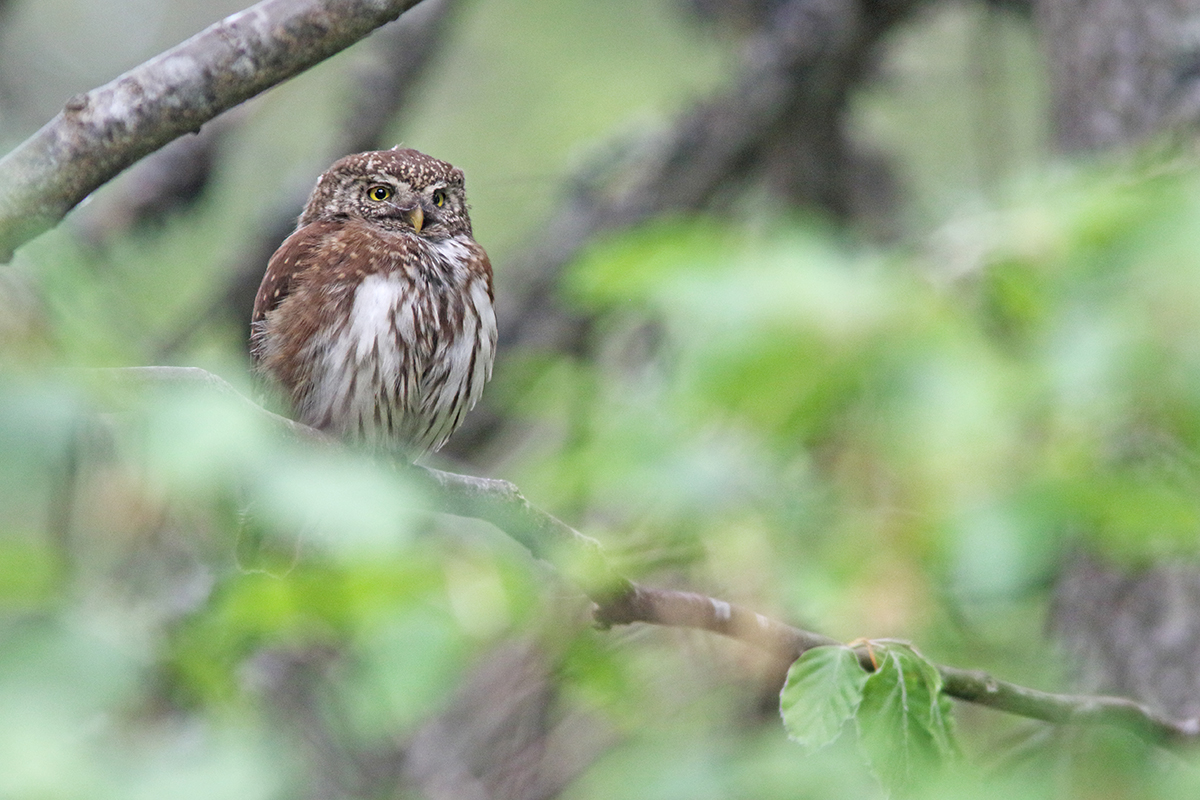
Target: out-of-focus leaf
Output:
{"points": [[30, 572], [823, 690], [635, 265], [344, 502], [58, 681], [39, 425], [199, 444], [229, 764], [403, 669]]}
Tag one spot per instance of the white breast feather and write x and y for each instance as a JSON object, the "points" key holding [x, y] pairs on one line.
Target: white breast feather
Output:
{"points": [[380, 336], [363, 356]]}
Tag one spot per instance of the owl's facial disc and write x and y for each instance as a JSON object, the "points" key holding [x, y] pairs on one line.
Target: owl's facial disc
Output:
{"points": [[425, 208]]}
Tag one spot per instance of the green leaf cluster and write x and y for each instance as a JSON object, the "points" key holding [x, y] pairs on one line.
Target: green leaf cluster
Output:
{"points": [[903, 720], [895, 439]]}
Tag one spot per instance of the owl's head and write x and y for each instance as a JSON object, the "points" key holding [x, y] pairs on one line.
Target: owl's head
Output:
{"points": [[397, 189]]}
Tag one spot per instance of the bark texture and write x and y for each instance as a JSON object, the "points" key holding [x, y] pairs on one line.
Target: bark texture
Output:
{"points": [[1135, 634], [1120, 70], [1123, 72]]}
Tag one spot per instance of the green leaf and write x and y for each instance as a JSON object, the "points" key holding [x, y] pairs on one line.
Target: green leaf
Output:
{"points": [[635, 265], [823, 689], [905, 727]]}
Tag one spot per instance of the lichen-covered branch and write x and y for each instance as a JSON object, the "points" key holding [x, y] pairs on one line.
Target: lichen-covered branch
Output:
{"points": [[101, 132], [620, 601], [980, 687]]}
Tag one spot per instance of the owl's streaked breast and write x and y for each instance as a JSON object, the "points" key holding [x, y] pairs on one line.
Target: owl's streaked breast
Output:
{"points": [[410, 359]]}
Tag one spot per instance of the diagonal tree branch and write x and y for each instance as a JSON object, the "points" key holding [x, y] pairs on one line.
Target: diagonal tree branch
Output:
{"points": [[103, 131], [620, 601], [778, 122]]}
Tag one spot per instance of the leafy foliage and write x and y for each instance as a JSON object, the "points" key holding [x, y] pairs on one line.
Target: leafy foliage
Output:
{"points": [[875, 439], [823, 691], [868, 440], [904, 722], [871, 438]]}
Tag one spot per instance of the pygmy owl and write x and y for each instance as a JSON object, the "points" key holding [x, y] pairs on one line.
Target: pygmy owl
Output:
{"points": [[375, 316]]}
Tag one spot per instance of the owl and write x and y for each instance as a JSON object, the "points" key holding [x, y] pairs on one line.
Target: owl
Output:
{"points": [[375, 317]]}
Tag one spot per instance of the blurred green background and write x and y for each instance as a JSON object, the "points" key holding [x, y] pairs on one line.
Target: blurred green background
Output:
{"points": [[899, 438]]}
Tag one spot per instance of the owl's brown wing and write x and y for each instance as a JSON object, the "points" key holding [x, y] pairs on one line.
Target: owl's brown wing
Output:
{"points": [[293, 257], [298, 253]]}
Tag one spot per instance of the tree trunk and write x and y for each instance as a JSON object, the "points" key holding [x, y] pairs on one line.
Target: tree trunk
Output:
{"points": [[1123, 72], [1120, 70]]}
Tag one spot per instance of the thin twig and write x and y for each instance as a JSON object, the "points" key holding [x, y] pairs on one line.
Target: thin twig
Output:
{"points": [[981, 688], [620, 601]]}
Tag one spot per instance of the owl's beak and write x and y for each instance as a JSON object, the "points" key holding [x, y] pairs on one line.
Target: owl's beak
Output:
{"points": [[417, 217]]}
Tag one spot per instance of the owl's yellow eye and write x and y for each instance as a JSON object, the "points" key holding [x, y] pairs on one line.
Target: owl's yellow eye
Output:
{"points": [[439, 198], [379, 193]]}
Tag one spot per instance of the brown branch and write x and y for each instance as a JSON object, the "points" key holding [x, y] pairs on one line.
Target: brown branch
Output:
{"points": [[689, 610], [795, 75], [677, 609], [620, 601], [501, 503], [1080, 709], [161, 185], [779, 120], [103, 131]]}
